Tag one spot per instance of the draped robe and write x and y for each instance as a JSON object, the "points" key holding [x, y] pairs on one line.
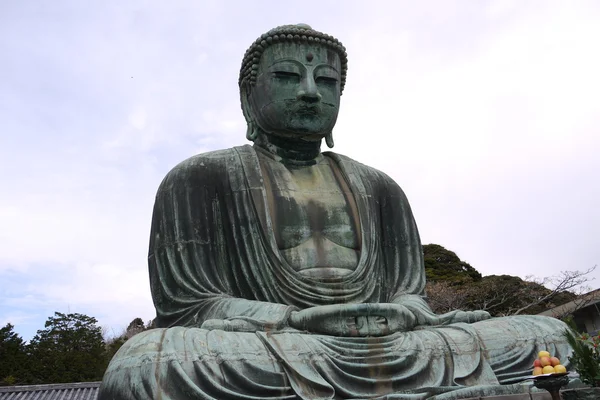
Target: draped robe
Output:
{"points": [[213, 256]]}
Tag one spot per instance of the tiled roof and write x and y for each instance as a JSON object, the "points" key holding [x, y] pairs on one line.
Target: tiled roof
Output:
{"points": [[59, 391], [585, 300]]}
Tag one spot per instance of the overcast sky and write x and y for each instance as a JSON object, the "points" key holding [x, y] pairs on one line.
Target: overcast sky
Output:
{"points": [[487, 113]]}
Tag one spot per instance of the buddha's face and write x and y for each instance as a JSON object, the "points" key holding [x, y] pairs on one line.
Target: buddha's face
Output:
{"points": [[297, 91]]}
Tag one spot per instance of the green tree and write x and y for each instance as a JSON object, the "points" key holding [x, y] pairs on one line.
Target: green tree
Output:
{"points": [[13, 357], [442, 264], [135, 326], [69, 349]]}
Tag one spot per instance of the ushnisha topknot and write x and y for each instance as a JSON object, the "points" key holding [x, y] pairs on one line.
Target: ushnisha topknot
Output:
{"points": [[299, 33]]}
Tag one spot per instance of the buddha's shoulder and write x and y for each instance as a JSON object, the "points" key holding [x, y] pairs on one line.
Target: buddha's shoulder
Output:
{"points": [[205, 161], [202, 167], [378, 182], [363, 170]]}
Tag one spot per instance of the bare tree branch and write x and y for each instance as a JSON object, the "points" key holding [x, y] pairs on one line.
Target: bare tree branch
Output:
{"points": [[565, 281], [510, 295], [444, 297]]}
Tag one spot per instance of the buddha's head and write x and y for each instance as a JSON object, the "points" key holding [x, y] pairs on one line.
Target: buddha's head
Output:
{"points": [[291, 81]]}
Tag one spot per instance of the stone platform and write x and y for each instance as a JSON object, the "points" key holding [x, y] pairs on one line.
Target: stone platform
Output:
{"points": [[89, 391], [569, 394], [531, 393]]}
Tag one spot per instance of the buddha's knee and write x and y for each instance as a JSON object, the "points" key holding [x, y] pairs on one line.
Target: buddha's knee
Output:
{"points": [[186, 345], [147, 342], [124, 377], [143, 363], [529, 333], [523, 325], [161, 363], [160, 344]]}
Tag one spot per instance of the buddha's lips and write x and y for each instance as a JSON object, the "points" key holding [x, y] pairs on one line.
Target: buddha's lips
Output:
{"points": [[307, 110]]}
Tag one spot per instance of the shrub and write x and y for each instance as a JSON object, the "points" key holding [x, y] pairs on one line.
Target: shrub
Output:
{"points": [[586, 356]]}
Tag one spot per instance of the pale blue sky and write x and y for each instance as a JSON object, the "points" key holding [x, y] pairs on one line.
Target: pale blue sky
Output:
{"points": [[486, 113]]}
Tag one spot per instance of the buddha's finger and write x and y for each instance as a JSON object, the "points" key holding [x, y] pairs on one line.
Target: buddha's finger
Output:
{"points": [[381, 325], [214, 324], [233, 325], [331, 326], [482, 315], [399, 325], [405, 317], [353, 310], [371, 326], [475, 316], [362, 326]]}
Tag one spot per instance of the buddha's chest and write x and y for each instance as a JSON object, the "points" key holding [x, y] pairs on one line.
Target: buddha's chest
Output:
{"points": [[314, 217]]}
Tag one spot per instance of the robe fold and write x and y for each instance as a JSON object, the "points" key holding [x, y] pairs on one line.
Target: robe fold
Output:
{"points": [[213, 256]]}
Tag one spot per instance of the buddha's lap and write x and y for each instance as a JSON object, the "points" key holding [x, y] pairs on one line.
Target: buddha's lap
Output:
{"points": [[497, 336], [182, 363]]}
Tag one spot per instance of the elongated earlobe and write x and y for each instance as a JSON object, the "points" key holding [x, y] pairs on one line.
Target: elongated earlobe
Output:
{"points": [[252, 129], [329, 140], [251, 132]]}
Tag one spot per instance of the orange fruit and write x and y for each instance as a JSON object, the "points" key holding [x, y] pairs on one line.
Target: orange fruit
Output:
{"points": [[554, 361], [545, 361], [543, 354], [548, 369], [537, 363], [537, 371], [559, 369]]}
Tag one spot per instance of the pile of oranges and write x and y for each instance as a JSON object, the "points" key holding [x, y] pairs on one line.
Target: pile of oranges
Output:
{"points": [[547, 365]]}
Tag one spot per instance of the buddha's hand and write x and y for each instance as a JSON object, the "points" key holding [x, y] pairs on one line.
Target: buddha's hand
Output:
{"points": [[468, 317], [240, 324], [373, 319], [452, 317]]}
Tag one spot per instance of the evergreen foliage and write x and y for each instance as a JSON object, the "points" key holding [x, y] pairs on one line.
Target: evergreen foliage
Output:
{"points": [[442, 264], [69, 349], [586, 356], [135, 326], [13, 358]]}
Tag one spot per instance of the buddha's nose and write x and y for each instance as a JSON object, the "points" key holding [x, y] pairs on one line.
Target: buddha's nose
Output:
{"points": [[308, 91]]}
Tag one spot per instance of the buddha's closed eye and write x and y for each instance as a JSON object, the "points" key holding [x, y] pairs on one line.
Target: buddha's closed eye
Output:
{"points": [[326, 80], [287, 76]]}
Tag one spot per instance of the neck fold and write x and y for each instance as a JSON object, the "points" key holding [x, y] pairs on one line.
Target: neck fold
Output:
{"points": [[291, 151]]}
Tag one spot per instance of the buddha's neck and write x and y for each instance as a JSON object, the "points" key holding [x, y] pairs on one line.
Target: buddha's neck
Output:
{"points": [[291, 151]]}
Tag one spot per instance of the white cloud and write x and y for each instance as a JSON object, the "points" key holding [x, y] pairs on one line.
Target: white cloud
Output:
{"points": [[138, 119], [496, 148]]}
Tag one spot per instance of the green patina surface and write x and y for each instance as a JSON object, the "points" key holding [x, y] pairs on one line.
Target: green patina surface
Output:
{"points": [[280, 272]]}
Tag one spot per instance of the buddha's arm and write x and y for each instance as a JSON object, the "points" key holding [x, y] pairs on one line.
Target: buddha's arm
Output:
{"points": [[197, 270], [426, 317], [185, 293]]}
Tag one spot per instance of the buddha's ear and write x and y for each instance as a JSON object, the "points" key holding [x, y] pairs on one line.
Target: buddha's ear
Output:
{"points": [[329, 139], [252, 129]]}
